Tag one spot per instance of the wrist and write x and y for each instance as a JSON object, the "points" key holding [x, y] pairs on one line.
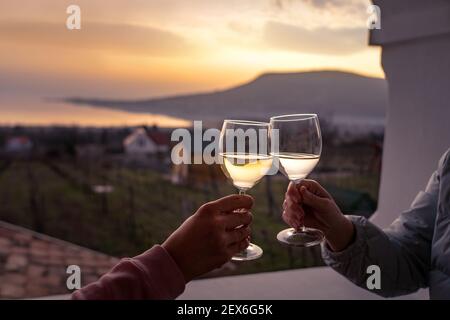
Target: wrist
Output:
{"points": [[341, 235]]}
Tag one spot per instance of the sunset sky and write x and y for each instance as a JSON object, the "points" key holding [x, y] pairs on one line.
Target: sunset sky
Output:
{"points": [[147, 48]]}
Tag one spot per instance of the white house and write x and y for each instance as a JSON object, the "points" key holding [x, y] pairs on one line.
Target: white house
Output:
{"points": [[142, 143], [199, 166], [18, 144]]}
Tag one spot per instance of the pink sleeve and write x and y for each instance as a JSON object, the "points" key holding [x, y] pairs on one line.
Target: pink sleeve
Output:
{"points": [[151, 275]]}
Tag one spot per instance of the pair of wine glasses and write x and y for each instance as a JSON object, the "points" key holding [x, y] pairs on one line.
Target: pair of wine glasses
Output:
{"points": [[249, 150]]}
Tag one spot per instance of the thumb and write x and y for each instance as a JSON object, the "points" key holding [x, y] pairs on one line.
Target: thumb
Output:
{"points": [[313, 200]]}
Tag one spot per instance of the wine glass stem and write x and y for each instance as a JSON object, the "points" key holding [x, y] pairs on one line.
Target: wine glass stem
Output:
{"points": [[244, 252], [302, 227]]}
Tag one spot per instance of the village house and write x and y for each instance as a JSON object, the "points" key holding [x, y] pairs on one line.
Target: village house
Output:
{"points": [[143, 143], [197, 172], [18, 145], [147, 148]]}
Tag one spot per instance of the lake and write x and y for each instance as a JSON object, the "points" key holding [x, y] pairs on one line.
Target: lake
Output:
{"points": [[41, 112]]}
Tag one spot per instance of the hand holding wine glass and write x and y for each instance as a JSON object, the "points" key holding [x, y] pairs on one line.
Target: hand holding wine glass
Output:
{"points": [[210, 237], [309, 204]]}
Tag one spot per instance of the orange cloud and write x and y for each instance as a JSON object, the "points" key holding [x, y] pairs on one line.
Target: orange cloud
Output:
{"points": [[320, 40], [123, 38]]}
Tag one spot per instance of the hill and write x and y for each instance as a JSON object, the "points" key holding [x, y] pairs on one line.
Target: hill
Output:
{"points": [[330, 94]]}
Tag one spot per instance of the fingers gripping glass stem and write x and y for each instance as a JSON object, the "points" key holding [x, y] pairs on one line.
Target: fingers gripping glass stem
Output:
{"points": [[303, 236], [252, 252]]}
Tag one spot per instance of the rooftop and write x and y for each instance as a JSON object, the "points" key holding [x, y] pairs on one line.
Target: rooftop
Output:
{"points": [[34, 265]]}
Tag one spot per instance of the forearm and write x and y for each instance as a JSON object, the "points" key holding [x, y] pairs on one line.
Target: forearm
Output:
{"points": [[401, 271], [151, 275]]}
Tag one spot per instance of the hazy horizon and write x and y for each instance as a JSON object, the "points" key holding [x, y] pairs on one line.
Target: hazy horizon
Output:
{"points": [[48, 111]]}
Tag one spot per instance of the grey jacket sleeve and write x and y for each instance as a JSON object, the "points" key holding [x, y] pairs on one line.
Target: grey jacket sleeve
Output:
{"points": [[402, 251]]}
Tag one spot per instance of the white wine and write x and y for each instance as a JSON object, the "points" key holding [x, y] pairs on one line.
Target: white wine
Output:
{"points": [[245, 170], [297, 166]]}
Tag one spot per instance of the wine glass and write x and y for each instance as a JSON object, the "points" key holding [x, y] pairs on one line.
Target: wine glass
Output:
{"points": [[298, 152], [245, 159]]}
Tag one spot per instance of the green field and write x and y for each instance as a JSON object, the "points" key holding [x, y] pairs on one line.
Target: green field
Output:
{"points": [[56, 198]]}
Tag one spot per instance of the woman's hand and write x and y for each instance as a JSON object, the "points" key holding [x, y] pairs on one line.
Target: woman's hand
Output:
{"points": [[210, 237], [309, 204]]}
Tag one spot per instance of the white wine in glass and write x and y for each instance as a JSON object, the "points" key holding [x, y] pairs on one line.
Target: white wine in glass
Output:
{"points": [[245, 160], [298, 152], [297, 166], [245, 170]]}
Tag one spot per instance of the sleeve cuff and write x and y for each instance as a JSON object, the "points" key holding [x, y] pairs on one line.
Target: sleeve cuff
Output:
{"points": [[332, 258], [165, 275]]}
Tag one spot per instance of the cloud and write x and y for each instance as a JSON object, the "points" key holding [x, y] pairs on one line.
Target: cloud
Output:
{"points": [[354, 8], [321, 40], [123, 38], [323, 3], [281, 4]]}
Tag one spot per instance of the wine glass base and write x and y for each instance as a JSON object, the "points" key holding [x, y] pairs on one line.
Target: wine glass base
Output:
{"points": [[306, 237], [252, 252]]}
